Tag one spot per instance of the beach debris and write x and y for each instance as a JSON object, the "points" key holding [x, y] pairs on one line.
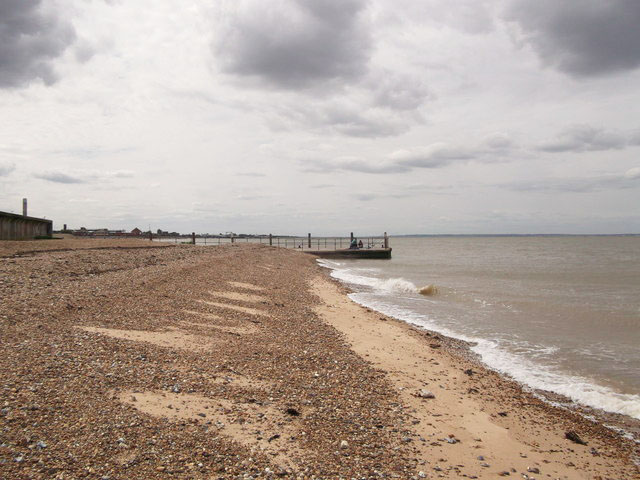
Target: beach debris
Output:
{"points": [[480, 457], [452, 439], [574, 437], [468, 371], [273, 437], [503, 414], [421, 474], [595, 452], [533, 470], [435, 345], [423, 393]]}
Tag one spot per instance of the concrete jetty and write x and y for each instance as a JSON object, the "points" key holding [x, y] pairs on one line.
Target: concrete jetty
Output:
{"points": [[353, 253]]}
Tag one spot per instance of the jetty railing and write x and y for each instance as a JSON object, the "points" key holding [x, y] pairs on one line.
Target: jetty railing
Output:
{"points": [[309, 242]]}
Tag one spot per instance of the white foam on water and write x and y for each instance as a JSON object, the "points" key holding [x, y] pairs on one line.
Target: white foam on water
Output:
{"points": [[517, 366], [354, 276]]}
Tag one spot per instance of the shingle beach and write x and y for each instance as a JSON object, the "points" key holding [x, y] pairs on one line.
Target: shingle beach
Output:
{"points": [[138, 360]]}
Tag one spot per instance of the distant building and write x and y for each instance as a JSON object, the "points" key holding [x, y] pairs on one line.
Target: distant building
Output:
{"points": [[136, 231]]}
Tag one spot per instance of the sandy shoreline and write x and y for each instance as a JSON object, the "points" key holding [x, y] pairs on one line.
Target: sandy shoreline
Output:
{"points": [[248, 362]]}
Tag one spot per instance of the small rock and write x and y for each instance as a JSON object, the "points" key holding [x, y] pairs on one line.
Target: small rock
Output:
{"points": [[176, 388], [203, 415], [293, 412], [533, 470], [344, 444], [480, 457], [504, 473], [503, 414], [421, 474], [425, 394], [41, 445], [468, 371], [574, 437]]}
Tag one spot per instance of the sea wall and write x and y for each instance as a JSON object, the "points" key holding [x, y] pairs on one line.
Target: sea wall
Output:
{"points": [[19, 227]]}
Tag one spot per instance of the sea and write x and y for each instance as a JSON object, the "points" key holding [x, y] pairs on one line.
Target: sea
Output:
{"points": [[555, 313]]}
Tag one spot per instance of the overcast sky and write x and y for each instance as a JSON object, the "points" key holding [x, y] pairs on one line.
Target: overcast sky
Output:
{"points": [[323, 116]]}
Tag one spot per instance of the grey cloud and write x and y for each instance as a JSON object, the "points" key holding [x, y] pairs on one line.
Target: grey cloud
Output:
{"points": [[57, 176], [84, 52], [352, 164], [630, 179], [365, 197], [6, 169], [437, 155], [250, 174], [294, 44], [584, 138], [251, 197], [397, 92], [581, 37], [472, 17], [344, 116], [30, 38], [434, 156]]}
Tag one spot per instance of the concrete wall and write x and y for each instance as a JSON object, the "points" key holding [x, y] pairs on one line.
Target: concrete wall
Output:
{"points": [[17, 227]]}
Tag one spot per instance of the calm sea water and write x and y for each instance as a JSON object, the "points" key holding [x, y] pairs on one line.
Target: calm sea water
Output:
{"points": [[555, 313]]}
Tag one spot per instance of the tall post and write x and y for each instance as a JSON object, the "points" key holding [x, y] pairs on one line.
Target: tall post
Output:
{"points": [[150, 236], [232, 240], [270, 240], [352, 236], [193, 237], [309, 238], [24, 207], [386, 240]]}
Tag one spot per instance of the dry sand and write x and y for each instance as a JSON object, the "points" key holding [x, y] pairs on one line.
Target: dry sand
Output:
{"points": [[125, 359]]}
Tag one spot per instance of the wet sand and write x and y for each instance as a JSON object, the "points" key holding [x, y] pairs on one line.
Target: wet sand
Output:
{"points": [[123, 359]]}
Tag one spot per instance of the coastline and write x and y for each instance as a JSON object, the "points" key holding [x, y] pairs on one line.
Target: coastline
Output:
{"points": [[517, 428], [222, 362]]}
